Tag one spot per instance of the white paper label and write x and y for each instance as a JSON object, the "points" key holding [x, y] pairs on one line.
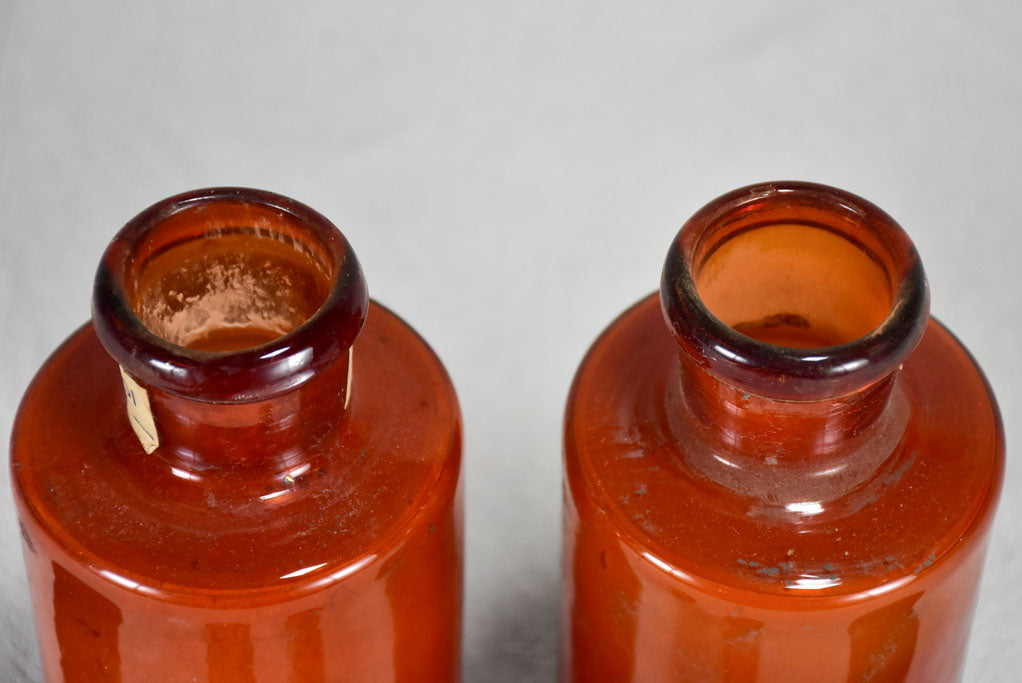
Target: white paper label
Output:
{"points": [[140, 415], [351, 366]]}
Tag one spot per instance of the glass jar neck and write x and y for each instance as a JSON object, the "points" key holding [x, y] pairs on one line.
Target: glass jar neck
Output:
{"points": [[793, 305], [787, 452], [232, 313], [792, 431], [277, 436]]}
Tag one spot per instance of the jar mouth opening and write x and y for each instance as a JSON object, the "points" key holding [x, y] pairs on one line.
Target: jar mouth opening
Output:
{"points": [[795, 291], [227, 276], [228, 295]]}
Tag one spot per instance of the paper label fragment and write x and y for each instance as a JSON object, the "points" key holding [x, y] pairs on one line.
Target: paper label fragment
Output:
{"points": [[140, 415]]}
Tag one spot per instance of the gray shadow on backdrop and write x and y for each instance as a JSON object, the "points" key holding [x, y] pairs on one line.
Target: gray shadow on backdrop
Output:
{"points": [[522, 644]]}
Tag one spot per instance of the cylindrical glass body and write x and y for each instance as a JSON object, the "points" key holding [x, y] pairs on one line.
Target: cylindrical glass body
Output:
{"points": [[266, 489], [780, 469]]}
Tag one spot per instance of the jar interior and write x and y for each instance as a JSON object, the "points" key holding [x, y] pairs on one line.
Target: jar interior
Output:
{"points": [[228, 278], [794, 285]]}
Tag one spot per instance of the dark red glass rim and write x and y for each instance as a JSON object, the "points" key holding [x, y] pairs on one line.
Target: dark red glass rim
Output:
{"points": [[248, 375], [795, 373]]}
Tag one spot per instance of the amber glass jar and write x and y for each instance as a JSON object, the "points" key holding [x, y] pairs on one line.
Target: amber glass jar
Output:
{"points": [[266, 489], [780, 469]]}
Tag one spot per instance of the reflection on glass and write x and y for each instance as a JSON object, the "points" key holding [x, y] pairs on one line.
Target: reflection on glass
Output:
{"points": [[884, 642], [305, 646], [87, 625], [229, 653]]}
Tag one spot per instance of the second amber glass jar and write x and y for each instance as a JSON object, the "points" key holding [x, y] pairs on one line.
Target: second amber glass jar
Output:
{"points": [[243, 469], [781, 468]]}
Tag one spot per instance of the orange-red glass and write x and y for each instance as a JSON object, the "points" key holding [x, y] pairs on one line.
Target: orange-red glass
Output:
{"points": [[300, 519], [780, 469]]}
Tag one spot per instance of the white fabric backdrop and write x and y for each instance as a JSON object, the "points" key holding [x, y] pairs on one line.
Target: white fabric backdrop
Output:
{"points": [[510, 174]]}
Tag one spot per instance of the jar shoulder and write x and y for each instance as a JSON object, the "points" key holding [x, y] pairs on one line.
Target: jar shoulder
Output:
{"points": [[84, 483], [625, 458]]}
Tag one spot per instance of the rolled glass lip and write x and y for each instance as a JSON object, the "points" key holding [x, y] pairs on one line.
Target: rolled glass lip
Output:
{"points": [[784, 373], [247, 375]]}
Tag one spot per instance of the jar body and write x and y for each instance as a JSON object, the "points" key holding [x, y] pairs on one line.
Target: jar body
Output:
{"points": [[346, 567], [670, 574]]}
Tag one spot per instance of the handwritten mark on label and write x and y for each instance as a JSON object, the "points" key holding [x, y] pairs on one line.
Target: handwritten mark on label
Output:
{"points": [[140, 415]]}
